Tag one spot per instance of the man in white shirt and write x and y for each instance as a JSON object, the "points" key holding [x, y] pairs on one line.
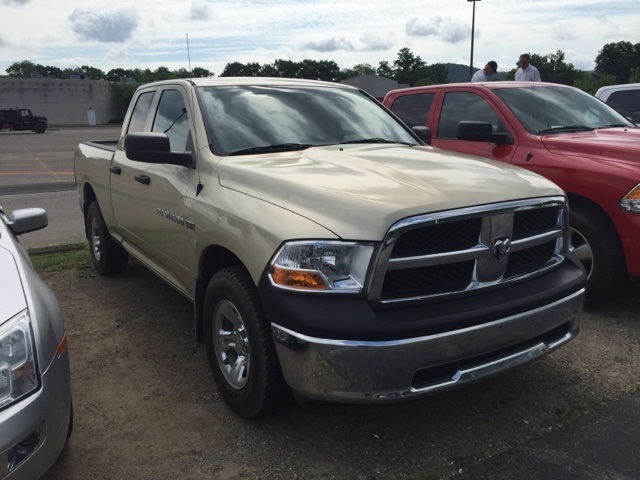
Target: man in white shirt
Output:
{"points": [[483, 75], [527, 72]]}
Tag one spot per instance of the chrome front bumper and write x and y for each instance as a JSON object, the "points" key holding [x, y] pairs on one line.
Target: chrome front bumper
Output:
{"points": [[351, 371]]}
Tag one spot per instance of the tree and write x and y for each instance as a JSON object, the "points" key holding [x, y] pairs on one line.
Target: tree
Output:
{"points": [[23, 69], [635, 75], [406, 68], [618, 59], [360, 69], [590, 83], [432, 75], [384, 70]]}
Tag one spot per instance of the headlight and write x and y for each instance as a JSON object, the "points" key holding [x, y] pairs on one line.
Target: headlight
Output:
{"points": [[18, 371], [321, 266], [631, 201]]}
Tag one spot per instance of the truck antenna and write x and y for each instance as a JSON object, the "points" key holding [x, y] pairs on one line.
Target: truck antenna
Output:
{"points": [[189, 55]]}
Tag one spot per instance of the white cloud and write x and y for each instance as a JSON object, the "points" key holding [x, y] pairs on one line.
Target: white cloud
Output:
{"points": [[107, 27]]}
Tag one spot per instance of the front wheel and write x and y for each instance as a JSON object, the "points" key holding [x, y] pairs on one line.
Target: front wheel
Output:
{"points": [[240, 347], [107, 256], [39, 128], [596, 245]]}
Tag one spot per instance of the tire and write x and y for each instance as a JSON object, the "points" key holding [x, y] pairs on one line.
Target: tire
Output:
{"points": [[39, 128], [596, 245], [240, 347], [107, 256]]}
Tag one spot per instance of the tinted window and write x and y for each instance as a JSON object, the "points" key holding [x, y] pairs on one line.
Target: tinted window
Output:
{"points": [[171, 118], [140, 113], [627, 102], [413, 109], [459, 106]]}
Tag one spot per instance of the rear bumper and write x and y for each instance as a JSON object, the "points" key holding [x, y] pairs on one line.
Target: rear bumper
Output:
{"points": [[353, 371]]}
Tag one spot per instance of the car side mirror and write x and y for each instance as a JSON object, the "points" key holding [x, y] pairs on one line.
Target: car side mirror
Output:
{"points": [[475, 131], [423, 133], [25, 220], [153, 147]]}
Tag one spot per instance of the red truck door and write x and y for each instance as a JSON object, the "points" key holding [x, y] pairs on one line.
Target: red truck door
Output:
{"points": [[458, 105]]}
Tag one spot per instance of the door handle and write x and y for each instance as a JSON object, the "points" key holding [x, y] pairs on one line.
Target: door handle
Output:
{"points": [[116, 170], [143, 179]]}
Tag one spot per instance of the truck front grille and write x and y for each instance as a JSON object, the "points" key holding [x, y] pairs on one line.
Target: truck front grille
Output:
{"points": [[465, 250]]}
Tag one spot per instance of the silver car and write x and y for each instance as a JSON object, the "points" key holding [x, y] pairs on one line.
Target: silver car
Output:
{"points": [[36, 414]]}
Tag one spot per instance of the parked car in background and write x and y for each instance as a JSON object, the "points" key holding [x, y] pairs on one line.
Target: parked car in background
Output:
{"points": [[36, 415], [623, 98], [22, 119], [591, 151]]}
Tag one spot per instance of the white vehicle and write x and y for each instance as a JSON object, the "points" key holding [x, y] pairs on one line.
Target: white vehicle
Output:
{"points": [[36, 415], [624, 98]]}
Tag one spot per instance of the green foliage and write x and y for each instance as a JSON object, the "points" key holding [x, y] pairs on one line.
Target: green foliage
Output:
{"points": [[590, 82], [326, 70], [635, 75], [618, 59], [553, 68], [54, 262], [122, 95]]}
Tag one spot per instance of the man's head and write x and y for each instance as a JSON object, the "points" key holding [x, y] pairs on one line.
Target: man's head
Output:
{"points": [[524, 60], [490, 68]]}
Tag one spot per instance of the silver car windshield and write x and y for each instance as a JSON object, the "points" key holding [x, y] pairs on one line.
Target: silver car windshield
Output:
{"points": [[257, 119], [548, 109]]}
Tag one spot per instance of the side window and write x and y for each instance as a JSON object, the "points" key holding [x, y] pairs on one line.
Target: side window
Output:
{"points": [[413, 109], [627, 102], [458, 106], [171, 118], [140, 113]]}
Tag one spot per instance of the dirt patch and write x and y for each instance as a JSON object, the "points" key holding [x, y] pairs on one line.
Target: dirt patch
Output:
{"points": [[146, 406]]}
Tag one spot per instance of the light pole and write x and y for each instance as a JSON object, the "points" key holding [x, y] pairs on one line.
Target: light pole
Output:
{"points": [[473, 25]]}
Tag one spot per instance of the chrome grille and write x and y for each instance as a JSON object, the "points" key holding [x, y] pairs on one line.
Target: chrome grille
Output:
{"points": [[464, 250]]}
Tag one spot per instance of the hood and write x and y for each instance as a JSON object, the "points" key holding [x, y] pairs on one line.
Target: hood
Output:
{"points": [[612, 144], [12, 299], [359, 191]]}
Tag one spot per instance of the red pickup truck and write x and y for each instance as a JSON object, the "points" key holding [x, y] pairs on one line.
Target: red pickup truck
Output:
{"points": [[588, 149]]}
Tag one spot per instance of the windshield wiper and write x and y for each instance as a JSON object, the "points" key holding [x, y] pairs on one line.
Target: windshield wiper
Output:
{"points": [[281, 147], [375, 140], [567, 128], [616, 125]]}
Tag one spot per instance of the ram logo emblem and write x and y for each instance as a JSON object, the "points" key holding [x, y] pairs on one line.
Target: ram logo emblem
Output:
{"points": [[501, 248]]}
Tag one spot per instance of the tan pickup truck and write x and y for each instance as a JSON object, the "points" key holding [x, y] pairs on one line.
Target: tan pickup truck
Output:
{"points": [[328, 251]]}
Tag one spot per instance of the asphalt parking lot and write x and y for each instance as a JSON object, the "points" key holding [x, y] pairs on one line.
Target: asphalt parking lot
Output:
{"points": [[146, 406]]}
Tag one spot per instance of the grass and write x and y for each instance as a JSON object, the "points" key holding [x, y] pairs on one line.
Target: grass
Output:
{"points": [[58, 261]]}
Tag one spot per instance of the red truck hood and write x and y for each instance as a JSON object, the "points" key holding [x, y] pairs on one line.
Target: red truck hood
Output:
{"points": [[612, 144], [357, 191]]}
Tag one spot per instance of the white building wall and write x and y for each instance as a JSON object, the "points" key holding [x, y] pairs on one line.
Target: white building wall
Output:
{"points": [[63, 102]]}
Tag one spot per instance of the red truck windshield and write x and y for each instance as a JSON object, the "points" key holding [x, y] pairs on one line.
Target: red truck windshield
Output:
{"points": [[545, 109]]}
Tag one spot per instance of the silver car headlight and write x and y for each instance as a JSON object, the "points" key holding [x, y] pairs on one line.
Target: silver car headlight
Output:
{"points": [[18, 369], [631, 201], [321, 266]]}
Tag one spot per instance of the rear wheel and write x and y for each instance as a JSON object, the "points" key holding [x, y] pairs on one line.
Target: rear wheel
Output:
{"points": [[107, 256], [596, 245], [240, 347]]}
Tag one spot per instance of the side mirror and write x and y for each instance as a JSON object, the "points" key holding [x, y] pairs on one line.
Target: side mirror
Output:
{"points": [[481, 132], [152, 147], [27, 220], [423, 133]]}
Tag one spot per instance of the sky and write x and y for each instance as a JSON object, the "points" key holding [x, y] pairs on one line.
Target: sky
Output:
{"points": [[108, 34]]}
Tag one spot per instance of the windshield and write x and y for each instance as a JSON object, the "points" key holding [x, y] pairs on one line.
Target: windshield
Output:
{"points": [[256, 119], [547, 109]]}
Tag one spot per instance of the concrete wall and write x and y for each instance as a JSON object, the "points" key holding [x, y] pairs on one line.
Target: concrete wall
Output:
{"points": [[63, 102]]}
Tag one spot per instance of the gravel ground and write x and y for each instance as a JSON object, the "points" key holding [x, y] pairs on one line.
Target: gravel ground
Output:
{"points": [[146, 406]]}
